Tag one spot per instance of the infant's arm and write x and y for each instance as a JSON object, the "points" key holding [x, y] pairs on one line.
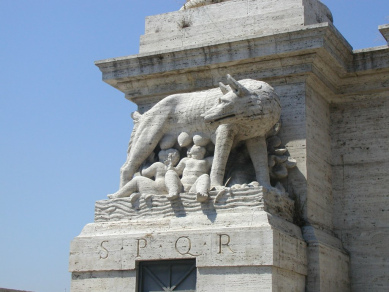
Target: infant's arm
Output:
{"points": [[181, 165], [150, 171]]}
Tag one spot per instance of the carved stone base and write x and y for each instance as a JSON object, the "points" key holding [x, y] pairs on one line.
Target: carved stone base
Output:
{"points": [[241, 249], [239, 200]]}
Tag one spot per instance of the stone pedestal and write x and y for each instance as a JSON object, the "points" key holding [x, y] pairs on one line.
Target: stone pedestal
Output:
{"points": [[237, 245]]}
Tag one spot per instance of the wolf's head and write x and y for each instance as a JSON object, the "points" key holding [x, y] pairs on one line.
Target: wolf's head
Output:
{"points": [[244, 101]]}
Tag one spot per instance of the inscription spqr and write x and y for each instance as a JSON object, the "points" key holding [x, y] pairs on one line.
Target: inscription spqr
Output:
{"points": [[182, 245]]}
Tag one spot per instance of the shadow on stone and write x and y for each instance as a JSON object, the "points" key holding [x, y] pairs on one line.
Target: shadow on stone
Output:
{"points": [[178, 207], [209, 210]]}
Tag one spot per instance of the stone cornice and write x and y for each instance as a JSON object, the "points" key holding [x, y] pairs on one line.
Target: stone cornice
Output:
{"points": [[291, 41], [319, 49]]}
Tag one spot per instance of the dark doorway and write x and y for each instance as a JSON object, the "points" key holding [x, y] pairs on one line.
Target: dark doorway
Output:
{"points": [[165, 276]]}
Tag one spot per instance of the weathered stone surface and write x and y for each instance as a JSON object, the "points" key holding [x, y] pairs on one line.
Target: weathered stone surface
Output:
{"points": [[226, 242], [154, 207], [220, 22], [334, 108], [115, 281], [248, 247], [251, 279], [198, 3], [328, 262], [360, 156], [318, 159], [384, 29], [291, 52]]}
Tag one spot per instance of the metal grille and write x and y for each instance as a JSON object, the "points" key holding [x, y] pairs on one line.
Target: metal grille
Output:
{"points": [[165, 276]]}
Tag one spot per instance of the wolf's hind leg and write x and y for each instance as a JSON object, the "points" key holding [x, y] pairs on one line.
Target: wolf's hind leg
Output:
{"points": [[258, 153], [145, 142]]}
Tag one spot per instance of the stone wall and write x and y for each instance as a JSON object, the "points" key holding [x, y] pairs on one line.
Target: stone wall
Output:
{"points": [[114, 281], [293, 133], [319, 201], [360, 139]]}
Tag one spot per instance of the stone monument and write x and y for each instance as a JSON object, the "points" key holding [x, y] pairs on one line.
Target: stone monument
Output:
{"points": [[244, 170]]}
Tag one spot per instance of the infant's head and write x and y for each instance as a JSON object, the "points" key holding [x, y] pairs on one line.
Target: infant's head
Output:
{"points": [[169, 154], [196, 152]]}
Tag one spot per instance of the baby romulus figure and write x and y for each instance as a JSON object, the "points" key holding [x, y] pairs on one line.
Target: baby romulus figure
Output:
{"points": [[194, 170], [145, 185]]}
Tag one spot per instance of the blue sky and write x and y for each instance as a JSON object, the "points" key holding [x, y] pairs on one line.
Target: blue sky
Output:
{"points": [[64, 133]]}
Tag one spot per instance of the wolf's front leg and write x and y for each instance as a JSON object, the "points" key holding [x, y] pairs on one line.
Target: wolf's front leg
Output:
{"points": [[223, 143], [258, 153]]}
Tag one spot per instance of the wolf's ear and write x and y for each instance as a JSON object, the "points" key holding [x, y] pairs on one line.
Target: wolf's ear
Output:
{"points": [[223, 88], [237, 87]]}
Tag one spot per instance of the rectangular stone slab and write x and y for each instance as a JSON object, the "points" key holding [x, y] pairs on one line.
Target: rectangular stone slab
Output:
{"points": [[212, 247]]}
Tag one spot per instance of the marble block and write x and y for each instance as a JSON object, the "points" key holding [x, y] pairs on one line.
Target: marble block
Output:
{"points": [[230, 249], [218, 23]]}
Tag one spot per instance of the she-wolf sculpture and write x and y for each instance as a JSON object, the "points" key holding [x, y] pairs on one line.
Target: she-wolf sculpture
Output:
{"points": [[243, 111]]}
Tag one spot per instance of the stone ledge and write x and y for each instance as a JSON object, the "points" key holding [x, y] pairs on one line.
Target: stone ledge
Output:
{"points": [[235, 49], [384, 29], [145, 77]]}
